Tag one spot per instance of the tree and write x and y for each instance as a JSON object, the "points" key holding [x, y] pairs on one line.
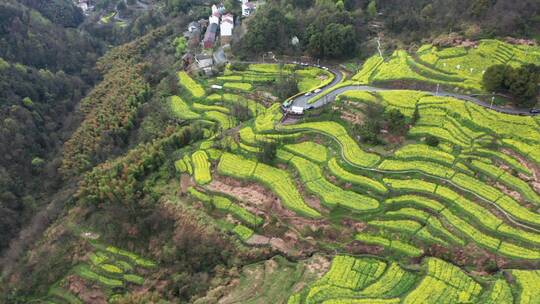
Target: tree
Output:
{"points": [[286, 86], [268, 152], [180, 45], [493, 79], [340, 5], [415, 116], [121, 6], [370, 130], [521, 82], [372, 9], [432, 141], [396, 121], [241, 112], [335, 41], [270, 30]]}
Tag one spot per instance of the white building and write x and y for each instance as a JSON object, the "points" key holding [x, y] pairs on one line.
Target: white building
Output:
{"points": [[297, 110], [226, 28], [248, 8], [213, 19]]}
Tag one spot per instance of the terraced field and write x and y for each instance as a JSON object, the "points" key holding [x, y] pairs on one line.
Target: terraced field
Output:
{"points": [[375, 280], [112, 269], [452, 67], [475, 194]]}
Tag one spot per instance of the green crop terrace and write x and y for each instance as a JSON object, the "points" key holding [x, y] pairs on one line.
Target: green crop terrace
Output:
{"points": [[472, 192]]}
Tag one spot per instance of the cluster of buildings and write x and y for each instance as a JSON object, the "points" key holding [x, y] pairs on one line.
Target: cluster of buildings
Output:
{"points": [[203, 35], [85, 5], [248, 8]]}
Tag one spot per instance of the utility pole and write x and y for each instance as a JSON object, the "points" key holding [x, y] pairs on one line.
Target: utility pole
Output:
{"points": [[437, 92]]}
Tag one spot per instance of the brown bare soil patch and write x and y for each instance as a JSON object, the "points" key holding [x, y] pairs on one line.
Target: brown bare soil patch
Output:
{"points": [[252, 193], [357, 247], [186, 181], [532, 167], [319, 265], [88, 293], [258, 240]]}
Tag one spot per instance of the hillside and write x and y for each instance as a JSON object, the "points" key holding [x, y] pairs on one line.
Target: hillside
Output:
{"points": [[327, 172]]}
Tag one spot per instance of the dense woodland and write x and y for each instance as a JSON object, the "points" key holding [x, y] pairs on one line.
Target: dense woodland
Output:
{"points": [[45, 69], [344, 29]]}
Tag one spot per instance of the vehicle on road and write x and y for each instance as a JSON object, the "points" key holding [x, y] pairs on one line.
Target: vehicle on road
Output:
{"points": [[534, 111], [308, 94], [317, 91]]}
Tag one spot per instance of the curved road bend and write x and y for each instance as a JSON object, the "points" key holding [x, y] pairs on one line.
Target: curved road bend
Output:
{"points": [[302, 101]]}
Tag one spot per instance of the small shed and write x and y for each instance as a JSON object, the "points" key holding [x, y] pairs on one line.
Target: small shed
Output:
{"points": [[297, 110], [248, 8]]}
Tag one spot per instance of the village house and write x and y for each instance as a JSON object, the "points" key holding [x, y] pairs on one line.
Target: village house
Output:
{"points": [[193, 26], [205, 63], [211, 30], [248, 8], [226, 28]]}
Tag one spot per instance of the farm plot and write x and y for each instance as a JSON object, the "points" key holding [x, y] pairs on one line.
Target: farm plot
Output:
{"points": [[234, 99], [435, 282], [528, 283], [444, 283], [190, 85], [350, 150], [111, 269], [330, 194], [424, 152], [479, 215], [362, 181], [201, 167], [181, 109], [312, 78], [455, 67], [277, 180], [310, 150], [225, 121], [393, 245], [426, 167], [243, 232], [240, 86], [507, 179]]}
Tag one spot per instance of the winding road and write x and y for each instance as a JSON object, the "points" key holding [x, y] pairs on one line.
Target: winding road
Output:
{"points": [[302, 101]]}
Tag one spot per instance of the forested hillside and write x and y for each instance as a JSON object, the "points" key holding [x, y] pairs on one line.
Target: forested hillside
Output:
{"points": [[45, 69], [344, 29]]}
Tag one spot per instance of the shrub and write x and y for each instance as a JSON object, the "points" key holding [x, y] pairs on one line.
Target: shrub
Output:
{"points": [[432, 141]]}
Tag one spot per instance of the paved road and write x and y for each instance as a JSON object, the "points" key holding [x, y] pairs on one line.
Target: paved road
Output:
{"points": [[302, 101]]}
